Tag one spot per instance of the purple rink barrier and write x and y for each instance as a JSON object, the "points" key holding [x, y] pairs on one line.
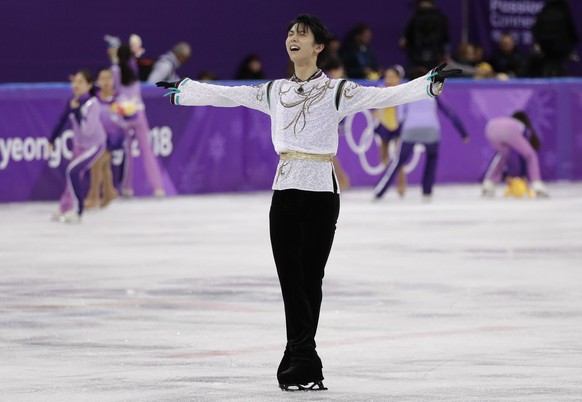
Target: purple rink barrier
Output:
{"points": [[207, 149]]}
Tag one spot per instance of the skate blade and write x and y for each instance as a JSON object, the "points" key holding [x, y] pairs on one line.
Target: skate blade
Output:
{"points": [[312, 386]]}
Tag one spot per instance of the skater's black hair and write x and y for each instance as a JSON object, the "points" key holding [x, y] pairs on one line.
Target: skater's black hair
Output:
{"points": [[128, 76], [313, 24], [534, 140]]}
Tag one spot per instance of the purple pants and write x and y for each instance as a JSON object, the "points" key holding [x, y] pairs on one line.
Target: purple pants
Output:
{"points": [[428, 176], [77, 178], [505, 134], [141, 130], [387, 135]]}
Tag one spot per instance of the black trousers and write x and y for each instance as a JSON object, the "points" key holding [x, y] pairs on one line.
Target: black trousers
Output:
{"points": [[302, 227]]}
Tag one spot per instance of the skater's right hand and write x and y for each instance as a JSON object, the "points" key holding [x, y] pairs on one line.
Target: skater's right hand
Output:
{"points": [[171, 86], [439, 74], [167, 85]]}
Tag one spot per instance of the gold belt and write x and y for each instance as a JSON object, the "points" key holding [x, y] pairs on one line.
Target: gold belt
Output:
{"points": [[287, 156]]}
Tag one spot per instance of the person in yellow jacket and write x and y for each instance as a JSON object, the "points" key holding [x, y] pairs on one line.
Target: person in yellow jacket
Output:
{"points": [[388, 126]]}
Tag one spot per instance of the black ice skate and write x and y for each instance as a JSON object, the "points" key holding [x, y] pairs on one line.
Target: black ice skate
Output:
{"points": [[307, 387], [302, 375], [285, 362]]}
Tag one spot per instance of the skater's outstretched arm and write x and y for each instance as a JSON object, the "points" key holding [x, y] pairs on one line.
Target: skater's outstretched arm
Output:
{"points": [[355, 98], [188, 92]]}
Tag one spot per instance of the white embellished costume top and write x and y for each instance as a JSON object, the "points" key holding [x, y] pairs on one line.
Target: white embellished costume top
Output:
{"points": [[305, 117]]}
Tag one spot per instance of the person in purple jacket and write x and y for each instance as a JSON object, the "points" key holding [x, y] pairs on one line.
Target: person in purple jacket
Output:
{"points": [[103, 190], [131, 106], [419, 125], [89, 139], [513, 133]]}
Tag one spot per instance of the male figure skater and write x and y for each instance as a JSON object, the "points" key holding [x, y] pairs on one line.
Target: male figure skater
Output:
{"points": [[305, 111]]}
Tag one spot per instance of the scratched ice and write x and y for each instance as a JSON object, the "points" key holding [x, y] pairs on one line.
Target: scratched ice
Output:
{"points": [[463, 299]]}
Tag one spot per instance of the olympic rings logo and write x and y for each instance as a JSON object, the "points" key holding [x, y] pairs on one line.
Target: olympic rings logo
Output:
{"points": [[367, 138]]}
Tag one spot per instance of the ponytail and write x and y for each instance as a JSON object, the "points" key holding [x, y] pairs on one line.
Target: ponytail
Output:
{"points": [[534, 140], [128, 75]]}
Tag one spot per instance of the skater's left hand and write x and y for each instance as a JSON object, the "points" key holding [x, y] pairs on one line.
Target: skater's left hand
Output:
{"points": [[172, 86], [439, 74], [166, 84]]}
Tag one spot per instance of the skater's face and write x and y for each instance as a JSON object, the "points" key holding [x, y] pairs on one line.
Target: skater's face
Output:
{"points": [[105, 82], [301, 45], [80, 85]]}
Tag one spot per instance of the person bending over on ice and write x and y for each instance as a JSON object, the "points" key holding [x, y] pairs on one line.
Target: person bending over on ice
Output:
{"points": [[305, 111], [513, 133]]}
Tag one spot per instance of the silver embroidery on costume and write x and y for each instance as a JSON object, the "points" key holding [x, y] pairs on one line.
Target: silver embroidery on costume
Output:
{"points": [[260, 91], [349, 89], [305, 101]]}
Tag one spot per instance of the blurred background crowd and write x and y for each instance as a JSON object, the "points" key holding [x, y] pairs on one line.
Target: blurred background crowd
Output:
{"points": [[486, 38]]}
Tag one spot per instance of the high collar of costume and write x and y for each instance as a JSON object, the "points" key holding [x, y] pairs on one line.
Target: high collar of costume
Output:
{"points": [[314, 76], [318, 74]]}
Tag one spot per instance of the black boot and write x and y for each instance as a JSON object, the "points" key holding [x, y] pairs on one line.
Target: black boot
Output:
{"points": [[302, 374], [285, 362]]}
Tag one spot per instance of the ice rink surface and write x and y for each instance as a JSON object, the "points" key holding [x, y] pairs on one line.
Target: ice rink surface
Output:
{"points": [[461, 299]]}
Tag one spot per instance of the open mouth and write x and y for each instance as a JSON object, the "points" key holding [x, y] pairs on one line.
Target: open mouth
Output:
{"points": [[294, 48]]}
